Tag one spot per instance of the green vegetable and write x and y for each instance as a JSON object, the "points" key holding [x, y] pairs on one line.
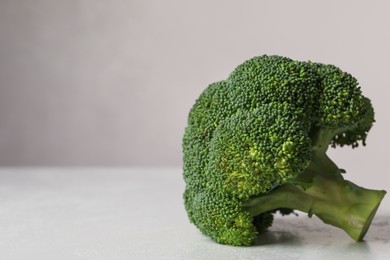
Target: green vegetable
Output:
{"points": [[256, 143]]}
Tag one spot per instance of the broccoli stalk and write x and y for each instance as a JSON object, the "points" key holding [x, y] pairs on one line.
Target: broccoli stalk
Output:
{"points": [[321, 190]]}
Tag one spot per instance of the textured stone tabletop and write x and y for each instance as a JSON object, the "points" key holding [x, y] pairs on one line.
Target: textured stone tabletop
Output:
{"points": [[130, 213]]}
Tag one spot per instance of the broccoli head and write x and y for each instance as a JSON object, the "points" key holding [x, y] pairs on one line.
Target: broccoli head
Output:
{"points": [[256, 143]]}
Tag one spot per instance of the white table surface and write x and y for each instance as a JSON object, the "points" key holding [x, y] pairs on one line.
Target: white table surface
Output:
{"points": [[129, 213]]}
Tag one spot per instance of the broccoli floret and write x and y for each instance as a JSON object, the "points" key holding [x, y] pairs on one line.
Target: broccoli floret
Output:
{"points": [[256, 144]]}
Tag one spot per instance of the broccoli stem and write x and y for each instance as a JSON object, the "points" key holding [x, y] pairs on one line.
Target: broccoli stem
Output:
{"points": [[321, 190], [337, 202]]}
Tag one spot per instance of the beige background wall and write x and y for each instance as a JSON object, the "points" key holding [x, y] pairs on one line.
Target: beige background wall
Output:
{"points": [[93, 82]]}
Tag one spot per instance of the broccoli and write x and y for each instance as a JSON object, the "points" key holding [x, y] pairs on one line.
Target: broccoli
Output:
{"points": [[256, 143]]}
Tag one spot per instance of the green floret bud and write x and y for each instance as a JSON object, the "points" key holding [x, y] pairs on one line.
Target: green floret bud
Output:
{"points": [[256, 144], [254, 151]]}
